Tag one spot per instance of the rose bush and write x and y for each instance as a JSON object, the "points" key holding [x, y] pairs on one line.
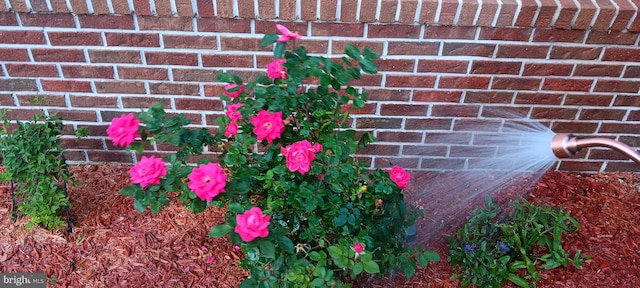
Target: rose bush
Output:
{"points": [[304, 211]]}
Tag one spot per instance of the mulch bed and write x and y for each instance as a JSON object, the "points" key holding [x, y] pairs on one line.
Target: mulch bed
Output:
{"points": [[112, 245]]}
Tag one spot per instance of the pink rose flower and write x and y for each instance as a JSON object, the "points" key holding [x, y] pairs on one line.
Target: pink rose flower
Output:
{"points": [[299, 155], [233, 94], [275, 70], [148, 171], [232, 112], [398, 175], [267, 125], [232, 129], [358, 248], [252, 224], [286, 34], [207, 181], [124, 130]]}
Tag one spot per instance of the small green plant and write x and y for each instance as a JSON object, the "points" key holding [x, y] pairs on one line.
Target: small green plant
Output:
{"points": [[487, 252], [32, 157]]}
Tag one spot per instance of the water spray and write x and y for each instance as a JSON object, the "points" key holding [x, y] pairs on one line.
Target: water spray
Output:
{"points": [[566, 146]]}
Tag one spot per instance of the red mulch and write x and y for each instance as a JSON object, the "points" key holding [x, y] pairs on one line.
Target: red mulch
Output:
{"points": [[114, 246]]}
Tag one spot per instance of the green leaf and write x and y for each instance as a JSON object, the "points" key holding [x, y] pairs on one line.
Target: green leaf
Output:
{"points": [[139, 205], [368, 66], [431, 256], [518, 280], [371, 267], [357, 268], [267, 249], [318, 282], [129, 190], [286, 244], [352, 52], [220, 230], [279, 50], [269, 39], [368, 53]]}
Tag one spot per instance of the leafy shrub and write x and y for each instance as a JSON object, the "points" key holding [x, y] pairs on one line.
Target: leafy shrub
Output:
{"points": [[487, 252], [306, 212], [32, 157]]}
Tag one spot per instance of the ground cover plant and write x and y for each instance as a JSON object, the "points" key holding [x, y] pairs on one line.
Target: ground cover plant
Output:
{"points": [[488, 251], [304, 211], [32, 157]]}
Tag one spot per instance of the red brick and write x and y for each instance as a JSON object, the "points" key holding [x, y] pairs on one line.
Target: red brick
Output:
{"points": [[18, 6], [527, 12], [267, 9], [189, 41], [93, 101], [121, 7], [100, 7], [538, 98], [388, 94], [598, 70], [522, 51], [227, 60], [554, 113], [115, 56], [408, 10], [378, 123], [379, 149], [634, 116], [399, 65], [403, 110], [495, 67], [308, 10], [585, 16], [488, 13], [171, 58], [602, 114], [14, 85], [314, 45], [546, 13], [22, 114], [336, 29], [607, 12], [393, 31], [468, 49], [488, 97], [369, 108], [31, 70], [44, 20], [515, 83], [557, 35], [14, 54], [195, 75], [142, 73], [608, 37], [9, 19], [143, 102], [163, 7], [328, 10], [632, 72], [269, 27], [468, 13], [450, 110], [621, 54], [574, 127], [618, 128], [75, 38], [21, 37], [411, 81], [588, 100], [246, 9], [121, 22], [577, 166], [287, 10], [566, 84], [66, 85], [388, 11], [468, 82], [567, 13], [57, 55], [224, 25], [425, 150], [428, 11], [117, 87], [132, 39], [208, 104], [165, 23], [395, 136], [82, 71], [449, 32], [143, 8], [413, 48], [614, 166], [575, 52], [205, 7], [109, 156], [183, 7], [241, 44], [627, 100], [448, 12], [547, 69], [70, 115], [443, 66], [507, 13], [439, 95], [505, 33], [174, 89], [41, 100], [617, 86]]}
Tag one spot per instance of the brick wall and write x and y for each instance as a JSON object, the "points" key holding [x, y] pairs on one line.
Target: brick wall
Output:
{"points": [[573, 66]]}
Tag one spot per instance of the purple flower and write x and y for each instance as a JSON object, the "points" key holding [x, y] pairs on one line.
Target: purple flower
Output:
{"points": [[468, 248], [503, 247]]}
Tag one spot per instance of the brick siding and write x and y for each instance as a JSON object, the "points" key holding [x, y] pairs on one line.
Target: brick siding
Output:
{"points": [[573, 66]]}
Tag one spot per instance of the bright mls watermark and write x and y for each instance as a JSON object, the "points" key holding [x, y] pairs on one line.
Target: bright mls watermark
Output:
{"points": [[23, 280]]}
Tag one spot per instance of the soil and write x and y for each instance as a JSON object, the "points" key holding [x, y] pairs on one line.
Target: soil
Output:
{"points": [[112, 245]]}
